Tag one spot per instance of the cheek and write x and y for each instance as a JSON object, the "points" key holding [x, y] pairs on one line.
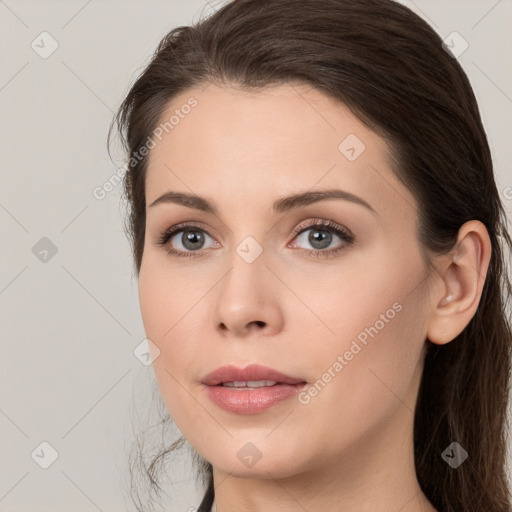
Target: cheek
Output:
{"points": [[352, 401], [370, 334], [153, 303], [362, 299], [164, 299], [170, 309], [161, 313]]}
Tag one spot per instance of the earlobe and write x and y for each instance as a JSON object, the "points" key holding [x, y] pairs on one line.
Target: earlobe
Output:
{"points": [[462, 272]]}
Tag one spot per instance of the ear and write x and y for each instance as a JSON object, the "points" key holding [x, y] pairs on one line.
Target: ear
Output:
{"points": [[462, 275]]}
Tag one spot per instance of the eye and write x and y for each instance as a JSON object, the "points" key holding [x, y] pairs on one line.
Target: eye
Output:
{"points": [[321, 236], [183, 240]]}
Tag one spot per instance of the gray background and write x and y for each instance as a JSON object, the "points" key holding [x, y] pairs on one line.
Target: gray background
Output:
{"points": [[70, 324]]}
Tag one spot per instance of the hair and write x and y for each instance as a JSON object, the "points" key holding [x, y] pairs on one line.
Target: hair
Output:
{"points": [[390, 68]]}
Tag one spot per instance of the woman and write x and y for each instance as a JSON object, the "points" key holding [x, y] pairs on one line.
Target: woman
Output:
{"points": [[320, 247]]}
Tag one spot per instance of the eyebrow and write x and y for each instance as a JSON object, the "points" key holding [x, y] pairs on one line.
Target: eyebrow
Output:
{"points": [[282, 205]]}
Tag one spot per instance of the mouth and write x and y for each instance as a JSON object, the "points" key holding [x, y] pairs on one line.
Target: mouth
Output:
{"points": [[250, 390], [252, 376]]}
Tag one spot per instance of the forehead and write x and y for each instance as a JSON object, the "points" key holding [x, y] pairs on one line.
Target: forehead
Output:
{"points": [[265, 144]]}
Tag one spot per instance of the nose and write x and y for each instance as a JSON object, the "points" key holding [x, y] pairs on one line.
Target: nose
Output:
{"points": [[248, 300]]}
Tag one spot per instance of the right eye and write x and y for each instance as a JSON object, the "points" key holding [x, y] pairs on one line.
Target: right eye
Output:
{"points": [[191, 238]]}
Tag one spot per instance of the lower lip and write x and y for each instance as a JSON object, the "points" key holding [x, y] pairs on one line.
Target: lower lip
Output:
{"points": [[253, 400]]}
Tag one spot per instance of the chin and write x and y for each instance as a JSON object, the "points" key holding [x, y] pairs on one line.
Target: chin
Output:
{"points": [[259, 460]]}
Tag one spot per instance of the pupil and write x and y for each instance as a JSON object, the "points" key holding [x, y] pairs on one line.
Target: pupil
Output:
{"points": [[191, 238], [322, 237]]}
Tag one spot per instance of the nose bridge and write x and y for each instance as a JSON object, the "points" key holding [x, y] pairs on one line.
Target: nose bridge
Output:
{"points": [[248, 268], [246, 295]]}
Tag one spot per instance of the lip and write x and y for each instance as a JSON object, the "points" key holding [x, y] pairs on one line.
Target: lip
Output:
{"points": [[253, 400], [252, 372]]}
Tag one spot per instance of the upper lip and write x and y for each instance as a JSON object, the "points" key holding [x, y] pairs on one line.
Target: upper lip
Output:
{"points": [[252, 372]]}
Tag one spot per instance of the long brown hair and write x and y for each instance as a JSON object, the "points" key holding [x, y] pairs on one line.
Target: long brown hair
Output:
{"points": [[390, 68]]}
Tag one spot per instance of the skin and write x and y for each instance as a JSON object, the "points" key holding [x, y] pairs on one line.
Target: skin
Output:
{"points": [[351, 447]]}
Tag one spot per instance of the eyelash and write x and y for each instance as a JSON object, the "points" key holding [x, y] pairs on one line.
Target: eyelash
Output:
{"points": [[342, 232]]}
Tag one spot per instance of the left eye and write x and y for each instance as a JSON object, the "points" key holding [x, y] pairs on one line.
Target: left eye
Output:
{"points": [[321, 236]]}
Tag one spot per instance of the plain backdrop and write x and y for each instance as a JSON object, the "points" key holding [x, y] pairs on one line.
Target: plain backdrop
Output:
{"points": [[70, 318]]}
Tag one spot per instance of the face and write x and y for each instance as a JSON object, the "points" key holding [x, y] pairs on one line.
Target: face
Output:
{"points": [[328, 292]]}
